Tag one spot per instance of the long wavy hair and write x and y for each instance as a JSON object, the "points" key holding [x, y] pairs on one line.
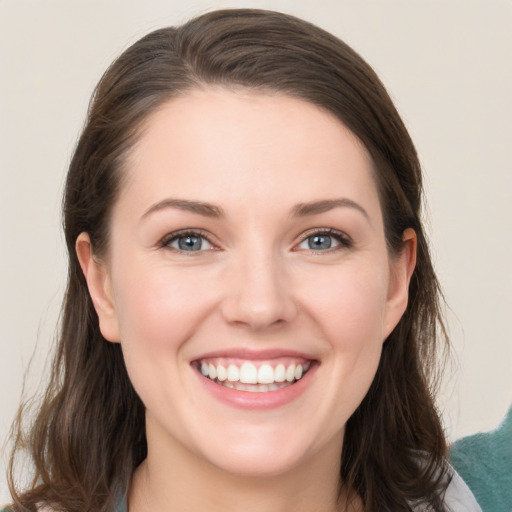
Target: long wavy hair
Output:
{"points": [[89, 435]]}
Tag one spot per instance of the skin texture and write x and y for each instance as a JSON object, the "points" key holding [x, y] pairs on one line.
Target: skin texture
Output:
{"points": [[255, 285]]}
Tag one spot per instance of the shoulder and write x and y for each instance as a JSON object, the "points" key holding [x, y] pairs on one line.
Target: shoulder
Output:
{"points": [[458, 497]]}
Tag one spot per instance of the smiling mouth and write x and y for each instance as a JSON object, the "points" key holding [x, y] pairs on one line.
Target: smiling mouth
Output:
{"points": [[255, 377]]}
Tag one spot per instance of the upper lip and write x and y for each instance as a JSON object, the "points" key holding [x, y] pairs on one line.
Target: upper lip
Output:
{"points": [[254, 355]]}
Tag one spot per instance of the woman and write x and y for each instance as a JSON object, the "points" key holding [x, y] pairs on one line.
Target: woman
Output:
{"points": [[252, 317]]}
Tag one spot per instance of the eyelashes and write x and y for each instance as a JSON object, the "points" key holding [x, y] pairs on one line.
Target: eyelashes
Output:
{"points": [[324, 240], [187, 241], [319, 240]]}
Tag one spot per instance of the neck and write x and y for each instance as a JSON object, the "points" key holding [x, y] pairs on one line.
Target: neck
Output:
{"points": [[177, 480]]}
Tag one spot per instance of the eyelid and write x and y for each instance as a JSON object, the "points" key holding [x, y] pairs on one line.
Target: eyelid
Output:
{"points": [[345, 241], [165, 241]]}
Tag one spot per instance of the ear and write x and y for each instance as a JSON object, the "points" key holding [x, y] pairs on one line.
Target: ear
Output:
{"points": [[100, 288], [402, 266]]}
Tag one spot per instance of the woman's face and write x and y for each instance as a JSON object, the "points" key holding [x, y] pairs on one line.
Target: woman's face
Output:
{"points": [[247, 244]]}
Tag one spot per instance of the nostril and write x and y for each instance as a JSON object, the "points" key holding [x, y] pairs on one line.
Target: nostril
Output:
{"points": [[271, 313], [257, 291]]}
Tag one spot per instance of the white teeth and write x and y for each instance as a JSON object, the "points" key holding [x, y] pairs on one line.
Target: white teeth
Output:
{"points": [[290, 373], [280, 373], [233, 373], [248, 374], [222, 373], [266, 378], [265, 374]]}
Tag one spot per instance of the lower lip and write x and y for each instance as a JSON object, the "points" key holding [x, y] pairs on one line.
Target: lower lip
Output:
{"points": [[258, 400]]}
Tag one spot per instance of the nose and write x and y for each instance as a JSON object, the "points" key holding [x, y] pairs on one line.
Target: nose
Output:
{"points": [[258, 293]]}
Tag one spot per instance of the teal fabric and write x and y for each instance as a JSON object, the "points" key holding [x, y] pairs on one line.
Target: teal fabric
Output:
{"points": [[484, 461]]}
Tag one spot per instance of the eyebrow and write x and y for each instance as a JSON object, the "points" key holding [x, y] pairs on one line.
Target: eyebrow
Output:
{"points": [[199, 207], [213, 211], [324, 205]]}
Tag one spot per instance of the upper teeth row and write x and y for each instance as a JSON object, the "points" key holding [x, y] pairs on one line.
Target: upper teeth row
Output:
{"points": [[249, 374]]}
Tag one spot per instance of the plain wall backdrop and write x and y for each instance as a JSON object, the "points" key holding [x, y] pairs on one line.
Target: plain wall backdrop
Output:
{"points": [[448, 66]]}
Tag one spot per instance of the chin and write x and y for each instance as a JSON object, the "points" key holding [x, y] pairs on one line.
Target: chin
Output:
{"points": [[260, 453], [258, 465]]}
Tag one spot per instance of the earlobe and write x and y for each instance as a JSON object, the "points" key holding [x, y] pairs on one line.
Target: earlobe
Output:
{"points": [[100, 289], [402, 268]]}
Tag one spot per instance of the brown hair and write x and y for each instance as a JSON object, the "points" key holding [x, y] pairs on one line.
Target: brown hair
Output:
{"points": [[88, 436]]}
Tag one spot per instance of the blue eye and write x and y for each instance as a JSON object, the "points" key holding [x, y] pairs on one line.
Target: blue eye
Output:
{"points": [[324, 240], [188, 242], [319, 242]]}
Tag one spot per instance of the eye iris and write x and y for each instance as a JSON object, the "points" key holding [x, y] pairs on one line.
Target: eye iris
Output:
{"points": [[317, 242], [190, 243]]}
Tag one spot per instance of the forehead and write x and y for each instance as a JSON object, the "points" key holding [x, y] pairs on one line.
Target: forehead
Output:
{"points": [[222, 144]]}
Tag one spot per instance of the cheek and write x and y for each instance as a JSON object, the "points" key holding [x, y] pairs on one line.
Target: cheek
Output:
{"points": [[159, 310], [351, 315], [349, 305]]}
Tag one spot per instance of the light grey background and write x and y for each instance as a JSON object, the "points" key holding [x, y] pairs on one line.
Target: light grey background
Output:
{"points": [[448, 67]]}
